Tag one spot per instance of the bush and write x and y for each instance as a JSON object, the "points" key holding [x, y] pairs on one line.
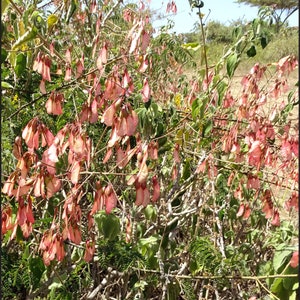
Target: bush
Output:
{"points": [[131, 181]]}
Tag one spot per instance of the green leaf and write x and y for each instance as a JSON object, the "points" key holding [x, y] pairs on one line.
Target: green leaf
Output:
{"points": [[195, 108], [108, 225], [204, 101], [277, 285], [287, 109], [159, 129], [278, 289], [251, 52], [162, 142], [51, 21], [154, 108], [198, 107], [55, 285], [231, 64], [37, 269], [76, 254], [186, 173], [280, 258], [19, 234], [295, 286], [26, 252], [71, 10], [221, 88], [293, 295], [173, 291], [229, 234], [150, 213], [4, 5], [152, 240], [256, 25], [26, 37], [194, 267], [20, 64], [237, 32], [142, 114], [27, 15], [191, 46], [12, 57], [207, 128], [37, 20], [263, 42], [148, 126], [265, 268], [4, 55], [6, 85], [140, 285], [289, 282]]}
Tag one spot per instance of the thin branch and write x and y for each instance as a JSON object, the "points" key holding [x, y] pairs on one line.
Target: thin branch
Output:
{"points": [[110, 12], [266, 289], [230, 277], [204, 48], [289, 14]]}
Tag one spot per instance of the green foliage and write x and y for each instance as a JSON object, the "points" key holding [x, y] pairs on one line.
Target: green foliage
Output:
{"points": [[118, 255], [188, 290], [148, 248], [26, 37], [219, 33], [232, 63], [173, 43], [108, 225], [274, 11], [20, 273], [151, 119], [286, 287], [204, 256], [235, 41], [279, 4], [281, 45], [67, 290], [20, 64]]}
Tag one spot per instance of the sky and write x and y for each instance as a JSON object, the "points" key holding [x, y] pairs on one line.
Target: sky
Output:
{"points": [[224, 11]]}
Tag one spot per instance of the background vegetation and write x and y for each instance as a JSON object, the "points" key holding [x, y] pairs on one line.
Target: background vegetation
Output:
{"points": [[219, 37]]}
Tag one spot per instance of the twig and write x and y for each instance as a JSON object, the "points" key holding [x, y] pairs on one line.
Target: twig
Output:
{"points": [[204, 47], [266, 289], [230, 277], [110, 12]]}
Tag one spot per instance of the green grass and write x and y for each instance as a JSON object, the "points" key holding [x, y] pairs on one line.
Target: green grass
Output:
{"points": [[283, 44]]}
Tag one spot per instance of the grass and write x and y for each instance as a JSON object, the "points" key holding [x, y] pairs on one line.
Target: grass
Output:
{"points": [[283, 44]]}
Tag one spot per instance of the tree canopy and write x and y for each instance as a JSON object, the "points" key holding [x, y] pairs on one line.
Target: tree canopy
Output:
{"points": [[277, 12], [278, 4]]}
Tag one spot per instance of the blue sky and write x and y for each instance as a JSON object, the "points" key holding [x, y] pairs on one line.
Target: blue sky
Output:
{"points": [[224, 11]]}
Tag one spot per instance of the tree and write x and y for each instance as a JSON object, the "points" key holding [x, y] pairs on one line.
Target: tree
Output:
{"points": [[126, 178], [279, 4], [276, 9]]}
